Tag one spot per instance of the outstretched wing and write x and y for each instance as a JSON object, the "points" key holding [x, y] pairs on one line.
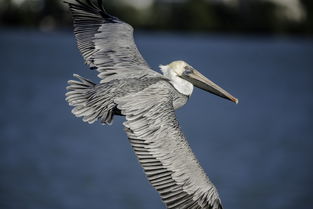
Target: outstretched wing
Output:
{"points": [[106, 43], [163, 151]]}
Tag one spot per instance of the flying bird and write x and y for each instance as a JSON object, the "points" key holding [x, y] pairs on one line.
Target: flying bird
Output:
{"points": [[147, 99]]}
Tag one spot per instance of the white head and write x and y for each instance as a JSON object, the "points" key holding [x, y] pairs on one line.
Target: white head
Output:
{"points": [[183, 77], [174, 71]]}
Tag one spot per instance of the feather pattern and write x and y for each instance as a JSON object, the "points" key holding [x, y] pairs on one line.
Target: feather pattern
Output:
{"points": [[146, 98], [92, 102], [106, 43], [163, 151]]}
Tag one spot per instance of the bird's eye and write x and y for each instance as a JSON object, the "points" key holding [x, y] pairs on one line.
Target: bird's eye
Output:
{"points": [[188, 70]]}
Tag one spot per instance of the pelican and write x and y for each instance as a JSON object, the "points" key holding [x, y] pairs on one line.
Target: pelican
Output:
{"points": [[147, 99]]}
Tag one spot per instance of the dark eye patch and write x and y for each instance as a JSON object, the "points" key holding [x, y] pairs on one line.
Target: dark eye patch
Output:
{"points": [[188, 70]]}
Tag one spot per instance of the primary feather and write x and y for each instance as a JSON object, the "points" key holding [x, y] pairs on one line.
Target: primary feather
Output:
{"points": [[148, 101]]}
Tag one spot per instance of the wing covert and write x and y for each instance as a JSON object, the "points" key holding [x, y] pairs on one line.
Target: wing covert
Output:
{"points": [[106, 43], [163, 151]]}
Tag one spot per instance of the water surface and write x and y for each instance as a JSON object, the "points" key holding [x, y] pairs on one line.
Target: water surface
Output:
{"points": [[257, 153]]}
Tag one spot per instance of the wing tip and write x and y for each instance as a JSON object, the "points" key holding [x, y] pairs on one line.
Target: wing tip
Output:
{"points": [[217, 204], [95, 7]]}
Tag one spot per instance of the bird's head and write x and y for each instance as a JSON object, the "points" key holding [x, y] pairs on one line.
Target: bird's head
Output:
{"points": [[184, 77]]}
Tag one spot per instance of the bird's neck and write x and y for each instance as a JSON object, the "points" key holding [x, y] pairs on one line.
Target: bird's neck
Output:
{"points": [[182, 86]]}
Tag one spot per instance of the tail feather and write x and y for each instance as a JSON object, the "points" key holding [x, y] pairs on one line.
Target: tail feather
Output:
{"points": [[82, 95]]}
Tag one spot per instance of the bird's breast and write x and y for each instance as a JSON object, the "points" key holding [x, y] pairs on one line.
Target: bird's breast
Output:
{"points": [[179, 100]]}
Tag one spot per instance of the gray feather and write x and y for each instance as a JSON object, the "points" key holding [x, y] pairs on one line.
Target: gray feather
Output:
{"points": [[107, 43], [148, 101], [174, 172], [88, 103]]}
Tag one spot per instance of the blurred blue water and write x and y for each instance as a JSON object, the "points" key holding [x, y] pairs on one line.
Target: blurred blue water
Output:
{"points": [[258, 153]]}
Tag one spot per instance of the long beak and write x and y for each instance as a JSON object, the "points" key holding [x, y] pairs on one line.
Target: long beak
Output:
{"points": [[200, 81]]}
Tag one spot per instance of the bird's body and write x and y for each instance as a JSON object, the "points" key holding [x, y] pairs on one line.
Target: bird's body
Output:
{"points": [[111, 90], [148, 101]]}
